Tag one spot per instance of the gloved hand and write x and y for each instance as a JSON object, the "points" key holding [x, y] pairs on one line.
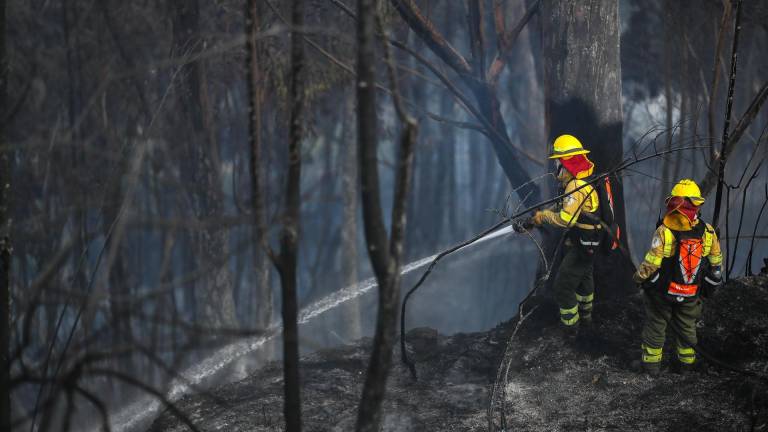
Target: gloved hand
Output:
{"points": [[637, 279], [641, 284], [716, 273], [522, 225], [712, 281]]}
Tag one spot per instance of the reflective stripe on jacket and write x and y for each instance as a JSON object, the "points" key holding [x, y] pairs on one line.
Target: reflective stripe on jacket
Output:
{"points": [[577, 199], [663, 246]]}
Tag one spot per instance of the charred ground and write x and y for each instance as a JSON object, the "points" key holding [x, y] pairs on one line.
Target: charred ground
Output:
{"points": [[551, 385]]}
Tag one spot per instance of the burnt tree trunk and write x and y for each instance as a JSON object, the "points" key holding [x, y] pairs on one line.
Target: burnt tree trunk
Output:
{"points": [[5, 247], [666, 169], [582, 76], [289, 240], [349, 181], [385, 253], [262, 287], [369, 416]]}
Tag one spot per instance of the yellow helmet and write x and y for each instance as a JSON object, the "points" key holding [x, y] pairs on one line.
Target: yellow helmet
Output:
{"points": [[566, 146], [688, 188]]}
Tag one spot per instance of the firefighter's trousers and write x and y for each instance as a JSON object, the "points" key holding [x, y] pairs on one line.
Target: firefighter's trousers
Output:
{"points": [[661, 312], [574, 286]]}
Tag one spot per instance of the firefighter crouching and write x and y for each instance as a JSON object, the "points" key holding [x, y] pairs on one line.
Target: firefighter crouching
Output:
{"points": [[574, 285], [674, 274]]}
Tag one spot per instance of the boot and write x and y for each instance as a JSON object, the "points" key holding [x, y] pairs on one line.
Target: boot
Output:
{"points": [[586, 327], [652, 369], [567, 333], [685, 368]]}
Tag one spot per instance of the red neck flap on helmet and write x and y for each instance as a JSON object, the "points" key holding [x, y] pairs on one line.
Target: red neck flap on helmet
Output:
{"points": [[579, 166], [683, 206]]}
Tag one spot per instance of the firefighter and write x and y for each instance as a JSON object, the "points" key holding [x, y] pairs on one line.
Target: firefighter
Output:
{"points": [[574, 285], [674, 274]]}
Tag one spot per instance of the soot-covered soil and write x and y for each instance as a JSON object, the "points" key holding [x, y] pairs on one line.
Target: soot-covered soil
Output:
{"points": [[552, 384]]}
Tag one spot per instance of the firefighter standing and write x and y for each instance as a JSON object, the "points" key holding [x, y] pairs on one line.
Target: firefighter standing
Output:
{"points": [[672, 275], [574, 284]]}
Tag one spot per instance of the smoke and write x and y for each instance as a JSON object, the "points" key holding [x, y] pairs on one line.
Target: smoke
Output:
{"points": [[450, 292]]}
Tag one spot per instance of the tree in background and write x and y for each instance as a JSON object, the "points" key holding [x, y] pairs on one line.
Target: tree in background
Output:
{"points": [[215, 303], [256, 89], [481, 77], [287, 261], [5, 240], [350, 190], [385, 251], [582, 76]]}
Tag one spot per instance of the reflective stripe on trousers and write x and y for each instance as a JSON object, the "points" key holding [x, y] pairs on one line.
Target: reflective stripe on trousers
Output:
{"points": [[569, 316], [686, 355], [651, 354], [585, 304]]}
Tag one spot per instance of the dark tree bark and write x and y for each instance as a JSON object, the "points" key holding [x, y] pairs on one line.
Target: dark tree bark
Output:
{"points": [[727, 9], [582, 76], [719, 163], [263, 294], [289, 244], [666, 169], [369, 416], [5, 246], [385, 253], [419, 207], [349, 186]]}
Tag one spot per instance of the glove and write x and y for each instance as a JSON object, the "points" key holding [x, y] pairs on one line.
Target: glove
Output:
{"points": [[643, 285], [522, 225], [712, 281], [637, 279], [716, 273]]}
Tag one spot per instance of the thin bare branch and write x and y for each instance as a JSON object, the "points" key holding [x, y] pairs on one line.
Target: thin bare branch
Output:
{"points": [[178, 413], [722, 159], [710, 179], [426, 30], [716, 73], [506, 40], [476, 37]]}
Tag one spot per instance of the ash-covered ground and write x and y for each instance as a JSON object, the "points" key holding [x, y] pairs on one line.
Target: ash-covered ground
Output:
{"points": [[551, 384]]}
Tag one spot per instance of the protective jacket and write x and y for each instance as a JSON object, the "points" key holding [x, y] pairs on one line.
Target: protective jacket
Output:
{"points": [[673, 265], [578, 199]]}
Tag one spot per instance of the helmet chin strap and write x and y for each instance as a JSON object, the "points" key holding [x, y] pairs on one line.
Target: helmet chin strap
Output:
{"points": [[560, 172]]}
